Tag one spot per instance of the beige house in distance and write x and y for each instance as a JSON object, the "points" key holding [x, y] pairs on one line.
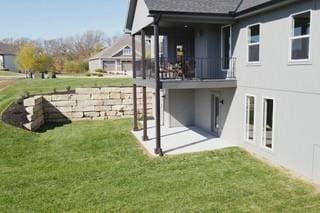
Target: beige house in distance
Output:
{"points": [[117, 58]]}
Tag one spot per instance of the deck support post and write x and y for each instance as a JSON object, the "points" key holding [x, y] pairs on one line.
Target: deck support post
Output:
{"points": [[134, 87], [144, 89], [158, 149]]}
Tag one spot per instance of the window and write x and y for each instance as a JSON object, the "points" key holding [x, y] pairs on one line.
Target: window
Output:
{"points": [[254, 43], [300, 36], [268, 123], [250, 118], [127, 51]]}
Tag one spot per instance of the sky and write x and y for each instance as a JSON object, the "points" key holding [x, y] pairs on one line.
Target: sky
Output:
{"points": [[49, 19]]}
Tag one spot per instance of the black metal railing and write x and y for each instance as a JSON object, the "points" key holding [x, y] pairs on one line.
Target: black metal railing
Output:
{"points": [[189, 68]]}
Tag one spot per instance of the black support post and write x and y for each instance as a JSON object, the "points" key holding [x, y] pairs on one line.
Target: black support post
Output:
{"points": [[144, 89], [158, 149], [134, 74]]}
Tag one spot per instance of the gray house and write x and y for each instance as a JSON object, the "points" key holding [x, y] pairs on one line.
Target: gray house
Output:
{"points": [[116, 58], [244, 70], [7, 58]]}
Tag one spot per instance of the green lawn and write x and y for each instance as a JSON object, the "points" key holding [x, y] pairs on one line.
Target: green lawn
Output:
{"points": [[99, 167], [9, 73]]}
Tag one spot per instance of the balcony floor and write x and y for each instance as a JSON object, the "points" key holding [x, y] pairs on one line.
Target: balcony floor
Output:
{"points": [[188, 84], [181, 140]]}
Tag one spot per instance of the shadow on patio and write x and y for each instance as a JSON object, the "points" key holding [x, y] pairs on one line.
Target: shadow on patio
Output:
{"points": [[180, 140]]}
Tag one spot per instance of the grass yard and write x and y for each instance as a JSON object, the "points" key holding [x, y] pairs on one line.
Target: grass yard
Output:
{"points": [[99, 167]]}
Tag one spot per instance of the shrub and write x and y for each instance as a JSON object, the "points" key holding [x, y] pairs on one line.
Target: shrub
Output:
{"points": [[75, 67], [88, 74], [99, 70]]}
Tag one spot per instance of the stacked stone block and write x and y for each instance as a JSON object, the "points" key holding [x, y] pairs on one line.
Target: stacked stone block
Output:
{"points": [[34, 112], [85, 104]]}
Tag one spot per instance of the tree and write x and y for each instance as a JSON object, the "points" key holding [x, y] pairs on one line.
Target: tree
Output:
{"points": [[74, 48], [75, 67], [27, 57], [43, 63]]}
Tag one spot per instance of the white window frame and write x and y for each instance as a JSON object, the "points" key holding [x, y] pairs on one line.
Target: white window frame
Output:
{"points": [[264, 123], [246, 118], [249, 44], [221, 47], [292, 37], [128, 51]]}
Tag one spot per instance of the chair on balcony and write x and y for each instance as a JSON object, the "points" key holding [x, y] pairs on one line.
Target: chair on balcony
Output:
{"points": [[189, 69]]}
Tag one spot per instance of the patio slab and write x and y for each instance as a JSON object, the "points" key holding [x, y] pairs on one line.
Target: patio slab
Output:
{"points": [[181, 140]]}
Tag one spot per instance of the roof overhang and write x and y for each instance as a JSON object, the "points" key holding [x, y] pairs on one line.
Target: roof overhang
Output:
{"points": [[138, 17], [130, 15], [263, 7], [189, 17]]}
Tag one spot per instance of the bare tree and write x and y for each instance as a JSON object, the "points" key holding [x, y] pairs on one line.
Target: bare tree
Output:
{"points": [[73, 48]]}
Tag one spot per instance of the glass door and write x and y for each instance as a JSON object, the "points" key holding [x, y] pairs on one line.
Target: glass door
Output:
{"points": [[225, 47], [215, 114]]}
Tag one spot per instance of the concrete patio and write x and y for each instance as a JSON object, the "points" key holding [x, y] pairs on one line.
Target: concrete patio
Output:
{"points": [[181, 140]]}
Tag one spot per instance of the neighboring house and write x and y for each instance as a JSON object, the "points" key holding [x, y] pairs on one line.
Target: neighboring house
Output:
{"points": [[117, 57], [246, 70], [7, 58]]}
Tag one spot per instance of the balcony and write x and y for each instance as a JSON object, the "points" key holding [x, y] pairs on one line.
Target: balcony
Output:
{"points": [[189, 72]]}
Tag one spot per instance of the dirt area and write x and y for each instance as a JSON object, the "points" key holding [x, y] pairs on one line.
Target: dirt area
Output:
{"points": [[5, 83]]}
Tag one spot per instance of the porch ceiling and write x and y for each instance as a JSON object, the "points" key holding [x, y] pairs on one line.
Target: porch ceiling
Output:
{"points": [[175, 24]]}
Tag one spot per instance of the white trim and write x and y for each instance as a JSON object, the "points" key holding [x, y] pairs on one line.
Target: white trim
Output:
{"points": [[249, 44], [246, 116], [264, 123], [122, 47], [221, 47], [128, 51], [292, 37]]}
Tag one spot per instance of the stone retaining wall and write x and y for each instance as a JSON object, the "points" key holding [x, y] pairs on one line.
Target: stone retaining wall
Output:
{"points": [[85, 104], [34, 112]]}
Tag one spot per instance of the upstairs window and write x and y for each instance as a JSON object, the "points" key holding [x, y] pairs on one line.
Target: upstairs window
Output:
{"points": [[300, 36], [254, 43], [127, 51]]}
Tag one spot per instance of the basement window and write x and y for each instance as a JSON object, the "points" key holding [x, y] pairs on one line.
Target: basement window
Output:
{"points": [[268, 122], [250, 118]]}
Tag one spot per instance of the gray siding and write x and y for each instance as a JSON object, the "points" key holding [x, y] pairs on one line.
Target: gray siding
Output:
{"points": [[181, 107], [207, 49], [295, 89], [9, 62]]}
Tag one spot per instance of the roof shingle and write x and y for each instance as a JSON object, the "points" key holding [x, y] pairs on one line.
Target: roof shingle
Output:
{"points": [[117, 47], [6, 49], [203, 6]]}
